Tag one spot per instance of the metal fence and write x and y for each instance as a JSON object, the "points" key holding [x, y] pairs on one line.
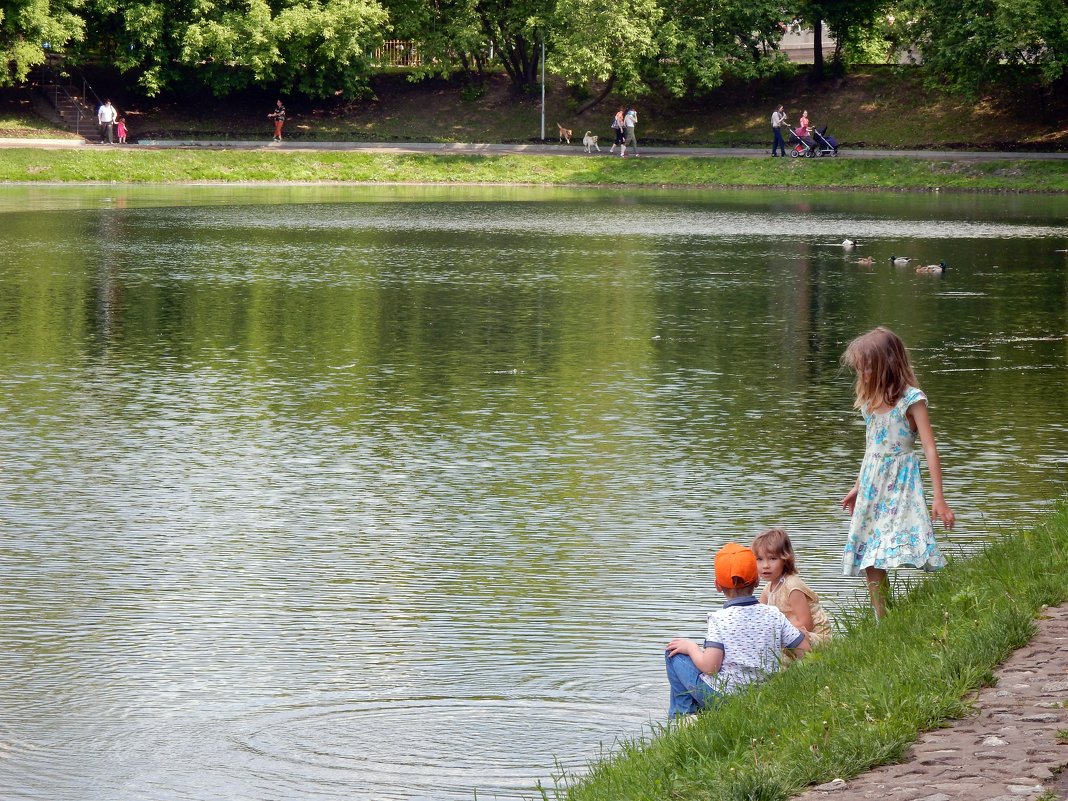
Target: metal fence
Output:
{"points": [[397, 53]]}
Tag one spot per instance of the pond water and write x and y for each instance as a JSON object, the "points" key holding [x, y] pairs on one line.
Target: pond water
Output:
{"points": [[397, 493]]}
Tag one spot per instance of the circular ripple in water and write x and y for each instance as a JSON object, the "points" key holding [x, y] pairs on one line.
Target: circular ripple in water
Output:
{"points": [[432, 748]]}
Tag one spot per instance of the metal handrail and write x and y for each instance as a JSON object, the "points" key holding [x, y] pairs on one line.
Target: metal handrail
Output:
{"points": [[74, 102], [64, 84]]}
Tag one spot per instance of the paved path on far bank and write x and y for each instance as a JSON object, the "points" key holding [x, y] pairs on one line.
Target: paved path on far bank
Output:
{"points": [[1006, 751], [458, 148]]}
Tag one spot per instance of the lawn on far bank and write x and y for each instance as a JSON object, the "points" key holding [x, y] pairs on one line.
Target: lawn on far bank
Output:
{"points": [[134, 165], [874, 106], [860, 701]]}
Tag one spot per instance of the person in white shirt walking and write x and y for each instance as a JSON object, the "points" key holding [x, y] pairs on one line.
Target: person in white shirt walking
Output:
{"points": [[778, 119], [630, 119], [106, 116]]}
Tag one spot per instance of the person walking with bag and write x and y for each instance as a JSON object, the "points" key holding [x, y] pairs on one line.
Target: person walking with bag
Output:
{"points": [[617, 129]]}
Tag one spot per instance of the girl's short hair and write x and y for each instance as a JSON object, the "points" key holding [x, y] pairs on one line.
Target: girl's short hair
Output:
{"points": [[776, 542], [883, 368]]}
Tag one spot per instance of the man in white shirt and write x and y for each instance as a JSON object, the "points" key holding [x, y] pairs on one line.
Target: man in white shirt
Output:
{"points": [[778, 119], [106, 116]]}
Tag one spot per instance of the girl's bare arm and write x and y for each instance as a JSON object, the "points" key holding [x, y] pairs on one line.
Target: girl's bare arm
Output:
{"points": [[922, 420], [800, 613]]}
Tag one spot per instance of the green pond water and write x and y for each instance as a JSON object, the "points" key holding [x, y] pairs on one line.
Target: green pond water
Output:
{"points": [[397, 493]]}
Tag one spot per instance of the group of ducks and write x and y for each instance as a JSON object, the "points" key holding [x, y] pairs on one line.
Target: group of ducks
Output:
{"points": [[898, 261]]}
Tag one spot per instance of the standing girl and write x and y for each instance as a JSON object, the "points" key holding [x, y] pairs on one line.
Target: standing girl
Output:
{"points": [[890, 526], [785, 589], [120, 130]]}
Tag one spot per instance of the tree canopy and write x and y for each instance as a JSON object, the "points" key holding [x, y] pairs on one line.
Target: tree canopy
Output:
{"points": [[28, 28], [971, 42], [324, 47]]}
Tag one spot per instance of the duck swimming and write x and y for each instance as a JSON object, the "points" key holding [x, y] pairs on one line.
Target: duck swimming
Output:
{"points": [[932, 268], [865, 260], [901, 261]]}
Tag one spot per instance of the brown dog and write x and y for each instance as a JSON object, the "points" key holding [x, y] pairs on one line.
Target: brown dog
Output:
{"points": [[565, 133]]}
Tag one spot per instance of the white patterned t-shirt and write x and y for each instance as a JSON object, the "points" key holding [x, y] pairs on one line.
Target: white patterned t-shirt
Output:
{"points": [[752, 637]]}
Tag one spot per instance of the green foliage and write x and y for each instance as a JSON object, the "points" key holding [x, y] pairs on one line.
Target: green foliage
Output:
{"points": [[472, 92], [594, 40], [870, 44], [848, 21], [26, 26], [454, 35], [701, 45], [517, 28], [967, 44], [322, 45], [446, 33], [316, 47]]}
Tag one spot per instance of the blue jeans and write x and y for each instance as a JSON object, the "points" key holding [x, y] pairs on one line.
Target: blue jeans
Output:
{"points": [[778, 141], [689, 694]]}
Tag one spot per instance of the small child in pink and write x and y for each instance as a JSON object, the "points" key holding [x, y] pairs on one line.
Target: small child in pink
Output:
{"points": [[120, 130]]}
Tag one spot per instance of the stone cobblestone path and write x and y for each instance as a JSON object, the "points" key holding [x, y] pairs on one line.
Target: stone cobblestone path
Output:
{"points": [[1007, 750]]}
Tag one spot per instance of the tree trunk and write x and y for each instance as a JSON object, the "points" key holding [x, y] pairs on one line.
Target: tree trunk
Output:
{"points": [[599, 97], [817, 49]]}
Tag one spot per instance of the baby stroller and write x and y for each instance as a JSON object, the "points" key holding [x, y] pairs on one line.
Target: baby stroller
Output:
{"points": [[805, 146], [826, 145]]}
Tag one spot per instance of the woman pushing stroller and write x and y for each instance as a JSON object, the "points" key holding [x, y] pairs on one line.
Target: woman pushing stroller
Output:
{"points": [[811, 141], [803, 134]]}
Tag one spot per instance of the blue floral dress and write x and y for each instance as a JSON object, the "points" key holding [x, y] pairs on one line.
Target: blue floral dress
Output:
{"points": [[891, 526]]}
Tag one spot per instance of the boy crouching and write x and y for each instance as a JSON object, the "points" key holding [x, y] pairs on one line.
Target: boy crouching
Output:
{"points": [[743, 644]]}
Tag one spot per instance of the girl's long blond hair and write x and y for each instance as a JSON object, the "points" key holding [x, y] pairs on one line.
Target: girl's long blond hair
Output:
{"points": [[883, 369]]}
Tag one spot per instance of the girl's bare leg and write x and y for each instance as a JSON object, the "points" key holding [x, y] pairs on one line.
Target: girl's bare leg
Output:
{"points": [[878, 588]]}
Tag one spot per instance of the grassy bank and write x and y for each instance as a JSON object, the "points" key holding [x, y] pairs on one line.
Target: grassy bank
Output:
{"points": [[152, 166], [860, 702], [875, 107]]}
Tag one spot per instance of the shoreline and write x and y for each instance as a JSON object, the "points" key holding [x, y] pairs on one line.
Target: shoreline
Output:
{"points": [[546, 148], [254, 184]]}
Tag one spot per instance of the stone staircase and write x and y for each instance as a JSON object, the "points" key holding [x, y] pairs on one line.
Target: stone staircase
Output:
{"points": [[62, 101]]}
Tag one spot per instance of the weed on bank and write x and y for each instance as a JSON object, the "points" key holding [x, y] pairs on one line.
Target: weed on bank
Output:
{"points": [[859, 702]]}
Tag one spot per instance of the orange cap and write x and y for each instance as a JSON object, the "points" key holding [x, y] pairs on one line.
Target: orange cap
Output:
{"points": [[736, 567]]}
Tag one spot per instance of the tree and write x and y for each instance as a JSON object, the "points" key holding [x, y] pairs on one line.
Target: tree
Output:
{"points": [[605, 42], [702, 43], [446, 33], [515, 29], [27, 27], [970, 43], [317, 47], [847, 20], [453, 34], [323, 45]]}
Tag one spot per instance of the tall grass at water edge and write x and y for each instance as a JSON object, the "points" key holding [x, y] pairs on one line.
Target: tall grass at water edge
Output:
{"points": [[860, 701]]}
